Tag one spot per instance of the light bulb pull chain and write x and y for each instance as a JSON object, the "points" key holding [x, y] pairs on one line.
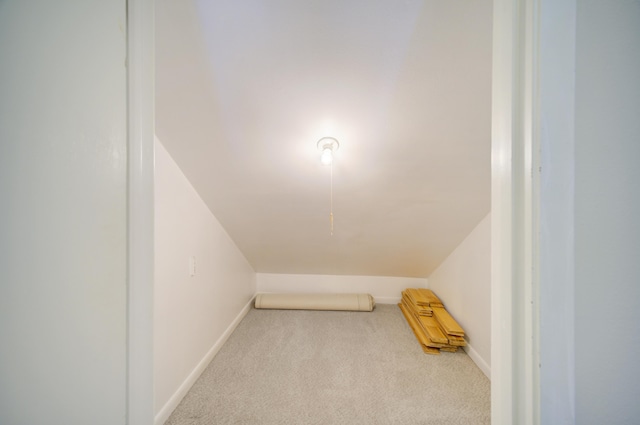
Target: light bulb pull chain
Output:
{"points": [[331, 202]]}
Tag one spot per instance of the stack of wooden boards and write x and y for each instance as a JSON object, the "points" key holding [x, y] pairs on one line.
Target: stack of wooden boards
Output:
{"points": [[432, 325]]}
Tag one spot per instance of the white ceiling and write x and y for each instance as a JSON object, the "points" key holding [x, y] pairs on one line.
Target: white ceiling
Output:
{"points": [[244, 90]]}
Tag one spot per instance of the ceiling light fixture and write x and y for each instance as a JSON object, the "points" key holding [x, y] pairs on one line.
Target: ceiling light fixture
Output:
{"points": [[328, 145]]}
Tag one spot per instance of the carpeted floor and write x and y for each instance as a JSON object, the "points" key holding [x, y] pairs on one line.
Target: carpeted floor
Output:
{"points": [[320, 367]]}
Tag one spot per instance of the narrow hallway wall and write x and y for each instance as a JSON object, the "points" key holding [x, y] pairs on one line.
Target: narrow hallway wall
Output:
{"points": [[63, 209], [607, 208]]}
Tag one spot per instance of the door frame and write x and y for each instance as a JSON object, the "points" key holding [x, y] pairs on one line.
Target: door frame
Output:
{"points": [[140, 239], [515, 194], [515, 348]]}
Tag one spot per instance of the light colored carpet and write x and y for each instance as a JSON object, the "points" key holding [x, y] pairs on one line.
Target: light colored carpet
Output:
{"points": [[326, 367]]}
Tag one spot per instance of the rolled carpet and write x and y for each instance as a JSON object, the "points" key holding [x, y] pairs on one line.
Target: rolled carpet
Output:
{"points": [[348, 302]]}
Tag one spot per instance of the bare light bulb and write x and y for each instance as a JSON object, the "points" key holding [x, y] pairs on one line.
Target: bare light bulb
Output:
{"points": [[327, 156]]}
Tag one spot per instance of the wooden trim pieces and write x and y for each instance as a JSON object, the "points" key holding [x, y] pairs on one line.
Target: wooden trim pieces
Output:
{"points": [[433, 326]]}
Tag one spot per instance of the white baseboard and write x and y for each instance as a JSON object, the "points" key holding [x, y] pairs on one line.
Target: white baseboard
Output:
{"points": [[479, 361], [385, 289], [378, 300], [387, 300], [177, 397]]}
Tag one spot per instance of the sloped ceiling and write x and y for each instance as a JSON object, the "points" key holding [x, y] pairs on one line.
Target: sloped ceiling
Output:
{"points": [[244, 90]]}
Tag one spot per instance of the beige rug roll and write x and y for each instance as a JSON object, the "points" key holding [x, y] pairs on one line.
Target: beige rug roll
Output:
{"points": [[347, 302]]}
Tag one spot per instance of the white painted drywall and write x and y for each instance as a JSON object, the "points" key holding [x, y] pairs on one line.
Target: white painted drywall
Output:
{"points": [[63, 233], [192, 313], [556, 238], [385, 289], [463, 283], [607, 212]]}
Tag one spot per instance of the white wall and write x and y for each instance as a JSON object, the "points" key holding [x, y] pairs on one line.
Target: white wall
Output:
{"points": [[557, 105], [607, 212], [193, 314], [590, 204], [385, 289], [63, 188], [463, 283]]}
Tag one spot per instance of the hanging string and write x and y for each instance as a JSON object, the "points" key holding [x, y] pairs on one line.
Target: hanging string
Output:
{"points": [[328, 145], [331, 201]]}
